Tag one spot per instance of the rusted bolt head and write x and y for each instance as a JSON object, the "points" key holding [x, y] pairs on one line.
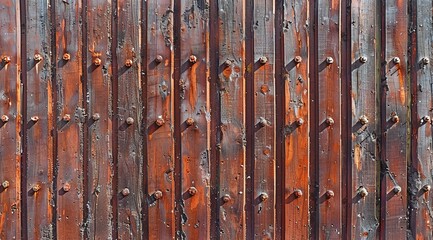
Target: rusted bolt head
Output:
{"points": [[6, 59], [66, 56], [363, 59], [129, 121], [396, 60], [298, 193], [66, 187], [5, 184], [97, 61], [363, 119], [425, 60], [330, 121], [426, 188], [426, 119], [37, 57], [35, 118], [36, 187], [128, 63], [157, 194], [396, 189], [299, 122], [159, 121], [189, 121], [192, 59], [192, 191], [263, 122], [329, 194], [264, 197], [159, 59], [395, 119], [125, 192], [5, 118], [263, 60], [226, 198], [96, 117], [329, 60], [298, 59], [228, 62], [362, 191], [67, 117]]}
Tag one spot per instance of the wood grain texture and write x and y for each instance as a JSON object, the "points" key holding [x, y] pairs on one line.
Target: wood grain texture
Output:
{"points": [[296, 105], [264, 117], [364, 219], [193, 95], [329, 103], [394, 166], [100, 163], [10, 226], [231, 84], [69, 131], [129, 106], [39, 108], [160, 89]]}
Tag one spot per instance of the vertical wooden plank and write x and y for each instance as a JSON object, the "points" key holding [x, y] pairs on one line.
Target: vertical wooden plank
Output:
{"points": [[195, 114], [394, 121], [329, 156], [419, 177], [159, 119], [362, 192], [10, 226], [100, 159], [231, 83], [129, 116], [70, 119], [40, 122], [264, 147], [296, 108]]}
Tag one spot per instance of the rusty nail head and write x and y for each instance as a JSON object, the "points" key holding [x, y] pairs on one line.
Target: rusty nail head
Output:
{"points": [[396, 189], [396, 60], [37, 57], [298, 59], [192, 191], [66, 187], [395, 119], [34, 118], [299, 122], [66, 56], [189, 121], [125, 192], [96, 116], [263, 122], [128, 63], [425, 60], [330, 121], [5, 184], [362, 191], [228, 62], [329, 194], [129, 120], [329, 60], [363, 119], [67, 117], [159, 121], [264, 197], [36, 187], [192, 59], [298, 193], [363, 59], [426, 119], [6, 59], [226, 198], [426, 188], [157, 194], [159, 59], [263, 60], [5, 118], [97, 61]]}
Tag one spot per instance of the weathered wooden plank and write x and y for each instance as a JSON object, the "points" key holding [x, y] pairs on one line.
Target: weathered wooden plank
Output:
{"points": [[70, 119], [264, 117], [39, 107], [99, 222], [10, 226], [362, 192], [231, 84], [329, 158], [394, 121], [296, 107], [129, 116], [195, 112], [419, 176], [159, 119]]}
